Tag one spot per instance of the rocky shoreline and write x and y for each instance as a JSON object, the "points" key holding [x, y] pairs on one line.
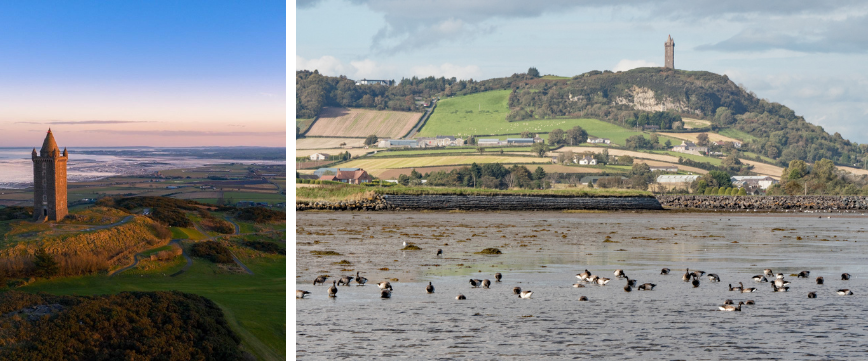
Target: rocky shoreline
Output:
{"points": [[546, 203], [766, 203]]}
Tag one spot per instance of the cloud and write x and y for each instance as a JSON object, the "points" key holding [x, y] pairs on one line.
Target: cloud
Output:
{"points": [[448, 70], [188, 133], [359, 69], [305, 4], [806, 34], [326, 64], [80, 122], [627, 64]]}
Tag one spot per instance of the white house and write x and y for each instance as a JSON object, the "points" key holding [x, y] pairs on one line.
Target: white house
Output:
{"points": [[319, 156], [595, 140], [689, 147], [588, 160], [763, 182]]}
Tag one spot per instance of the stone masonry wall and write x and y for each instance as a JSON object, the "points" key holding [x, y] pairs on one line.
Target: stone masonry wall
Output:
{"points": [[775, 203]]}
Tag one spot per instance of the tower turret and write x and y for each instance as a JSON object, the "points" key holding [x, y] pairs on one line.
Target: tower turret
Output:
{"points": [[670, 53], [49, 181]]}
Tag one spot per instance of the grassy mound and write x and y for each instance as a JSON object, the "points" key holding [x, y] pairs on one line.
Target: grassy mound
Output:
{"points": [[212, 251]]}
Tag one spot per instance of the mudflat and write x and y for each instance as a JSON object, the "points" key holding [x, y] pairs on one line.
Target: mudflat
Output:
{"points": [[543, 252]]}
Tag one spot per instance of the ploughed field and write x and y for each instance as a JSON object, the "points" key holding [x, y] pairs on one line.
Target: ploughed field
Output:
{"points": [[543, 252], [351, 122]]}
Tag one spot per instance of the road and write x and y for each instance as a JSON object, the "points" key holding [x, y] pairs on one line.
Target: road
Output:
{"points": [[422, 121]]}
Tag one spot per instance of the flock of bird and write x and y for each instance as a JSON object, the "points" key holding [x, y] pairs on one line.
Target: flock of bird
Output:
{"points": [[777, 282]]}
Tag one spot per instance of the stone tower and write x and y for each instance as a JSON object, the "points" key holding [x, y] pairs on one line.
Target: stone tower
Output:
{"points": [[49, 181], [670, 53]]}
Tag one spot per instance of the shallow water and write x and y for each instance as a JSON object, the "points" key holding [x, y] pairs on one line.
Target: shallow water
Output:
{"points": [[674, 321]]}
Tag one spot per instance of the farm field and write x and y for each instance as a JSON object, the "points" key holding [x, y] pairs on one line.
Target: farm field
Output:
{"points": [[328, 143], [765, 169], [376, 166], [856, 171], [352, 122], [640, 157], [735, 133], [303, 124], [549, 168], [690, 123], [692, 137], [489, 150]]}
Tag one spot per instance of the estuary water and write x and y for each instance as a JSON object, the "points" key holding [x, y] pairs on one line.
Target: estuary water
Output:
{"points": [[543, 251]]}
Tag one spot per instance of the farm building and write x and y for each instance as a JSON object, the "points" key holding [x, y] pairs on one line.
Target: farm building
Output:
{"points": [[761, 182], [689, 147], [488, 142], [595, 140], [398, 143], [353, 177], [319, 156], [587, 160], [594, 179], [373, 82], [440, 141], [331, 171], [523, 141], [670, 169]]}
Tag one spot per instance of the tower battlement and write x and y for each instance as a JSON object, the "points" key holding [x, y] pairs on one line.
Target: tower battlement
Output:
{"points": [[670, 53], [49, 181]]}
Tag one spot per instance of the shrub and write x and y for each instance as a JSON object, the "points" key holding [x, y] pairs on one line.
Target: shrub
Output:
{"points": [[171, 217], [212, 251], [260, 215], [13, 212], [45, 264], [262, 246]]}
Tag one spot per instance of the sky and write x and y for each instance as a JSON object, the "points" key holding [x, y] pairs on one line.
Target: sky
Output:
{"points": [[143, 73], [811, 56]]}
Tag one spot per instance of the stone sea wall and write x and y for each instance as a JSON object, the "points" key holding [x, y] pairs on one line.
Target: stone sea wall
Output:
{"points": [[499, 203], [772, 203]]}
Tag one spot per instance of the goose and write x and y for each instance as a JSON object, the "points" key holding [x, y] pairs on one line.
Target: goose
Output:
{"points": [[584, 276], [664, 271], [812, 295], [333, 290], [820, 280], [627, 288], [734, 288], [748, 290], [345, 280], [320, 280], [300, 293], [497, 277], [583, 298], [713, 277], [779, 276], [698, 274], [602, 281], [593, 279], [385, 294], [525, 294], [430, 288], [486, 283], [687, 275], [475, 283], [439, 252], [731, 307], [384, 285], [460, 297], [727, 302], [578, 285], [845, 292], [360, 281], [768, 272], [779, 289], [695, 282], [781, 283], [845, 276], [620, 273], [803, 274], [516, 290], [631, 283], [759, 278], [749, 302], [646, 287]]}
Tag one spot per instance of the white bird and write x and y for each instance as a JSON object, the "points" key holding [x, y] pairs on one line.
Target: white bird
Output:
{"points": [[300, 293], [731, 307], [384, 285], [405, 243], [844, 292], [602, 281], [525, 294], [759, 278], [460, 297]]}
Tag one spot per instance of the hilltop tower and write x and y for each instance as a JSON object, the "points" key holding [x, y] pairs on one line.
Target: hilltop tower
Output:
{"points": [[49, 181], [670, 53]]}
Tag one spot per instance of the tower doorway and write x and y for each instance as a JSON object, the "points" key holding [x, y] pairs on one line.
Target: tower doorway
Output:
{"points": [[44, 212]]}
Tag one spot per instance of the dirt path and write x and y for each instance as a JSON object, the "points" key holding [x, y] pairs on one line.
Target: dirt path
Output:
{"points": [[118, 223], [137, 255], [234, 258]]}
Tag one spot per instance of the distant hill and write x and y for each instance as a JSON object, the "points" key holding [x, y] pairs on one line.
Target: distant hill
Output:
{"points": [[643, 96]]}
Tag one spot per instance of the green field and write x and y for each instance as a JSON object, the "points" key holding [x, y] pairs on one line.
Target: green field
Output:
{"points": [[449, 151], [254, 305], [698, 158], [186, 233], [303, 124], [485, 113], [737, 134], [256, 197], [434, 160]]}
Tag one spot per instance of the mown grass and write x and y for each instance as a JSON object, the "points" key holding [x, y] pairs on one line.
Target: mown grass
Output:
{"points": [[737, 134], [186, 233], [256, 197], [698, 158], [254, 305]]}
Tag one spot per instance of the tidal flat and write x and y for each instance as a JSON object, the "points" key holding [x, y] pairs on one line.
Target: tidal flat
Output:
{"points": [[543, 252]]}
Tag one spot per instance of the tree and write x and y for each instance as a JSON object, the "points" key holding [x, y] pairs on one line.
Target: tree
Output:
{"points": [[371, 140], [717, 179], [532, 72], [556, 137], [604, 155], [403, 179], [539, 149], [654, 140], [480, 150], [569, 156], [527, 134], [668, 144], [702, 139], [796, 170], [539, 173], [45, 264], [625, 160], [724, 116], [638, 142], [742, 192], [490, 182], [772, 152], [576, 136]]}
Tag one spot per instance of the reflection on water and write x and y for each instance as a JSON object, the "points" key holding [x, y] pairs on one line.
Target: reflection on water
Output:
{"points": [[675, 321]]}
